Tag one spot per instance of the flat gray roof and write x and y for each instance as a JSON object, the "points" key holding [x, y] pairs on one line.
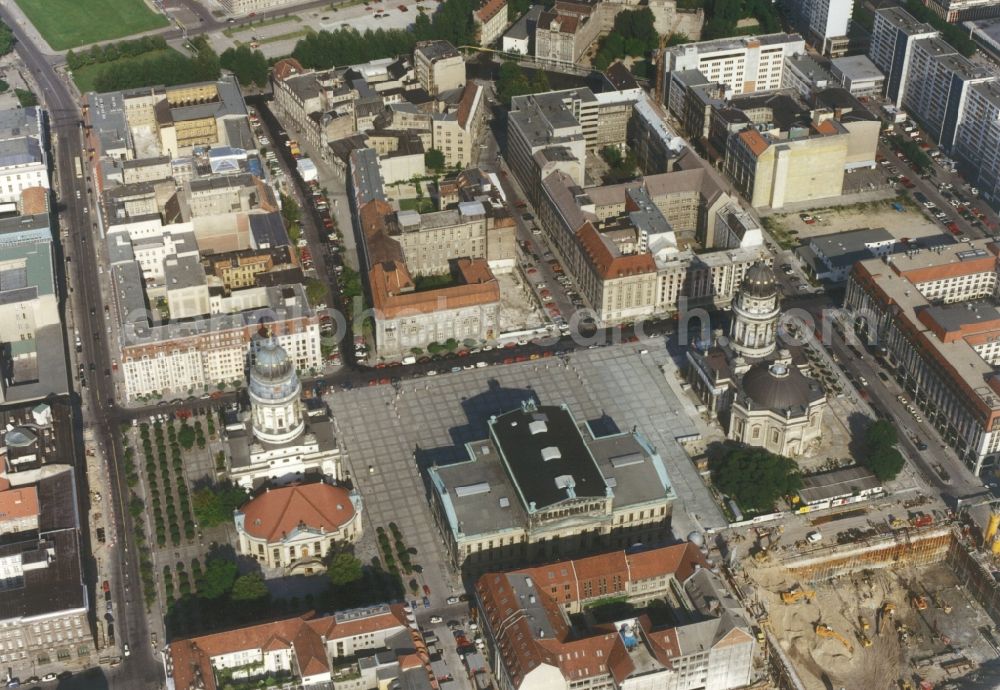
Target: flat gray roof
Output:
{"points": [[856, 67], [843, 482]]}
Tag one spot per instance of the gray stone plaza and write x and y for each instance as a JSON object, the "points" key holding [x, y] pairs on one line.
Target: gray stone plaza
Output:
{"points": [[390, 431]]}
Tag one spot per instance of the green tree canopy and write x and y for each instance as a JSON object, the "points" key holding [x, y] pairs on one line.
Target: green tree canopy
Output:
{"points": [[249, 587], [880, 453], [186, 436], [755, 478], [315, 291], [218, 577], [6, 39], [215, 505], [434, 160], [344, 569], [249, 66]]}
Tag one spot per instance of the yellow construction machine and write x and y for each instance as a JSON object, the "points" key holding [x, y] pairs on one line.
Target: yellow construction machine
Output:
{"points": [[826, 631], [796, 593]]}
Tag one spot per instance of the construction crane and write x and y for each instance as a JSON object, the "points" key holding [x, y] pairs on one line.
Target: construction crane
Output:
{"points": [[826, 631], [796, 593]]}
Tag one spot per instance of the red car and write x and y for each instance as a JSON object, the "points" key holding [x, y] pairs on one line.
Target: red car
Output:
{"points": [[427, 591], [953, 227]]}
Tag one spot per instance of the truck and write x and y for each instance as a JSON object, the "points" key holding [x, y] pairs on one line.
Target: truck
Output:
{"points": [[814, 537]]}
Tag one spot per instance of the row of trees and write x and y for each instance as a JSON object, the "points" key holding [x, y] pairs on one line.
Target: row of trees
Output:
{"points": [[6, 39], [880, 454], [249, 66], [514, 81], [166, 68], [721, 17], [451, 22], [214, 505], [633, 34], [98, 54], [954, 34]]}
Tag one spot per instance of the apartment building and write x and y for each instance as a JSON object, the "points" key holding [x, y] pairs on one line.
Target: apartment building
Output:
{"points": [[439, 67], [824, 22], [743, 65], [891, 48], [24, 161], [932, 312], [429, 241], [977, 142], [245, 7], [455, 132], [543, 486], [355, 649], [533, 644], [491, 18], [937, 88]]}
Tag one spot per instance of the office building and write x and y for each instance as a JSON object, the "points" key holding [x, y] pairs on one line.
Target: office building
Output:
{"points": [[859, 75], [45, 622], [544, 486], [960, 11], [520, 37], [743, 65], [891, 47], [931, 311], [830, 258], [32, 355], [534, 645]]}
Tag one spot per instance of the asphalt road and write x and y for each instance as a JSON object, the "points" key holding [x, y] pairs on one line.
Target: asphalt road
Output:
{"points": [[140, 669]]}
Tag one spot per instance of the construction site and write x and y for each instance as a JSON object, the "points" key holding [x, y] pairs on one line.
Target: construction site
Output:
{"points": [[909, 604]]}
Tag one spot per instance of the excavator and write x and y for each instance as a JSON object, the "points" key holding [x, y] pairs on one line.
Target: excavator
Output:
{"points": [[883, 616], [826, 631], [919, 602], [863, 634], [796, 593]]}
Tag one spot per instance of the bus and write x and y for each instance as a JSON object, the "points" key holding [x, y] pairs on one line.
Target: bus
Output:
{"points": [[79, 167]]}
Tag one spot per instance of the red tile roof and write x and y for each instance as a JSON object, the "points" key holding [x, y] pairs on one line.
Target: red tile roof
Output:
{"points": [[565, 582], [18, 503], [754, 140], [306, 636], [466, 103], [490, 9], [277, 512], [608, 264], [388, 281], [286, 68]]}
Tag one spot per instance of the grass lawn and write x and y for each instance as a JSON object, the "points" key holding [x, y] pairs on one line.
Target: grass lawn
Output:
{"points": [[70, 23], [422, 205], [85, 76]]}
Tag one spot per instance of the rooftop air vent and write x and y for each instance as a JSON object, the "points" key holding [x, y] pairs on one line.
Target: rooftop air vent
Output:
{"points": [[551, 453]]}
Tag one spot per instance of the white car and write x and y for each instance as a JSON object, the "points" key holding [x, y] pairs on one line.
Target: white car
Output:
{"points": [[481, 365], [452, 600], [436, 619], [125, 650]]}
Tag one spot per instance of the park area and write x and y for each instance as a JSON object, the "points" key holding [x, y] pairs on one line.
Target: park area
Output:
{"points": [[70, 23]]}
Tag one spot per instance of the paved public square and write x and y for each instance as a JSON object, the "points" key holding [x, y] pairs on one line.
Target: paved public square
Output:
{"points": [[392, 428]]}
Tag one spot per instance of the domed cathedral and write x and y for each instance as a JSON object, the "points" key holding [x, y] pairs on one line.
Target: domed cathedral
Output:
{"points": [[285, 438], [762, 396], [275, 393], [755, 313]]}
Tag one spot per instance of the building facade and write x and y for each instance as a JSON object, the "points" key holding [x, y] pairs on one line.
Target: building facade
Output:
{"points": [[891, 47], [439, 67], [532, 645], [743, 65], [931, 312], [292, 528], [539, 488], [491, 18]]}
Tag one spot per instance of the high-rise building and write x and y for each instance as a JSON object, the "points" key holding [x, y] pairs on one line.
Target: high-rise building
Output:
{"points": [[893, 34], [977, 142], [938, 87], [825, 22]]}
